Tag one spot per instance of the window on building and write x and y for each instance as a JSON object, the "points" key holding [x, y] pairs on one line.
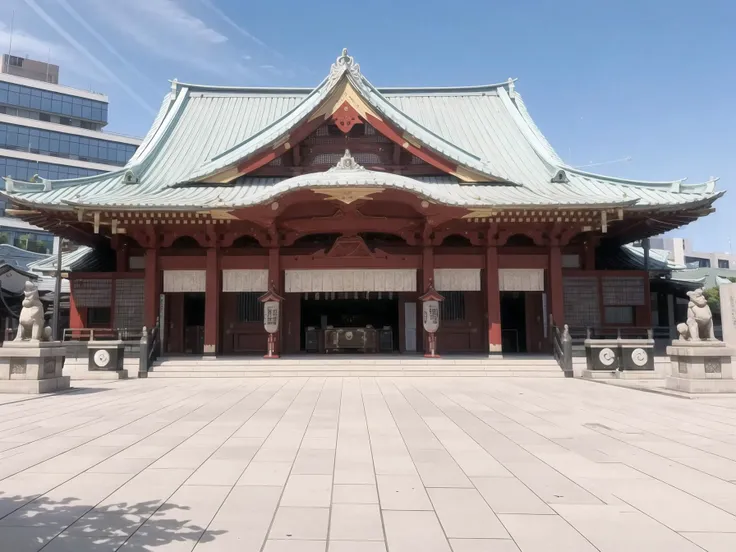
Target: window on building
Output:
{"points": [[38, 243], [99, 317], [15, 61], [51, 102], [249, 308], [619, 315], [44, 117], [453, 307], [697, 262], [722, 263]]}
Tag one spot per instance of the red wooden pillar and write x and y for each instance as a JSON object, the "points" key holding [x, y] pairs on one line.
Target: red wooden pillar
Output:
{"points": [[213, 287], [493, 295], [75, 316], [274, 282], [556, 294], [427, 280], [151, 279]]}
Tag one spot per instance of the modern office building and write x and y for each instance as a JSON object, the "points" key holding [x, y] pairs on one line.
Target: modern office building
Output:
{"points": [[681, 252], [50, 131]]}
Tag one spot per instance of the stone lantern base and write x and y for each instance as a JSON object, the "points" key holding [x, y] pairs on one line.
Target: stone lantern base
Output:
{"points": [[32, 367], [701, 367]]}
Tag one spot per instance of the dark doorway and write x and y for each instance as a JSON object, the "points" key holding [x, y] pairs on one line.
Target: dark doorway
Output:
{"points": [[194, 323], [513, 322], [320, 311]]}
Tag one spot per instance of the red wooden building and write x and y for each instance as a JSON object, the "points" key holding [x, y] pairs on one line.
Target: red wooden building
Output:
{"points": [[349, 201]]}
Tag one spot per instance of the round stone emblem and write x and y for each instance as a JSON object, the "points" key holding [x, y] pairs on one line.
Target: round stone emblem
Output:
{"points": [[639, 356], [606, 356], [349, 336], [102, 358]]}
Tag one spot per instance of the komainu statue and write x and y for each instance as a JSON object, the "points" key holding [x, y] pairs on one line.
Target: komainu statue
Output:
{"points": [[699, 324], [31, 322]]}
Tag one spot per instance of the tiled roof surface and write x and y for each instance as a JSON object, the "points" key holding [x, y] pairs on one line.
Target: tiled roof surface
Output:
{"points": [[201, 130]]}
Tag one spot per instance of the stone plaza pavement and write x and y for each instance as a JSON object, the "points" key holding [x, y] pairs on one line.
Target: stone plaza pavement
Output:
{"points": [[367, 465]]}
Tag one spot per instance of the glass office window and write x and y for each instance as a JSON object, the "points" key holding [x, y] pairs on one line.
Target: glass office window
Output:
{"points": [[20, 169], [52, 102], [59, 144]]}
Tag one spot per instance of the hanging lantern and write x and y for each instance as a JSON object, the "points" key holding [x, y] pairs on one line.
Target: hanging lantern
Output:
{"points": [[431, 318], [271, 314]]}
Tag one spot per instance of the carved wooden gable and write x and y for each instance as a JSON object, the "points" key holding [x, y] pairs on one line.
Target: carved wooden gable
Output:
{"points": [[352, 247]]}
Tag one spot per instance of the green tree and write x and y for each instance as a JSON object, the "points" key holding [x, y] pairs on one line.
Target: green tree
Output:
{"points": [[714, 297]]}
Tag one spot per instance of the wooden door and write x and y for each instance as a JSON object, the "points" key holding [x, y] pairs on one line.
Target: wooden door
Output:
{"points": [[174, 323], [535, 341]]}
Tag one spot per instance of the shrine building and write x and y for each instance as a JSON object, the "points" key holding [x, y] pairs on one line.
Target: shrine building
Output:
{"points": [[350, 202]]}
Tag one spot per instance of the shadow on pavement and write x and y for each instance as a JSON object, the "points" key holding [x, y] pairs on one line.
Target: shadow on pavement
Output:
{"points": [[29, 523]]}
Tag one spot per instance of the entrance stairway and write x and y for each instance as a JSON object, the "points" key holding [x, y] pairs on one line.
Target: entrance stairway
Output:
{"points": [[390, 366]]}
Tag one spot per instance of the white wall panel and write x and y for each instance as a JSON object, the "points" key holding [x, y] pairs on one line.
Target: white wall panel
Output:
{"points": [[245, 280], [301, 281], [521, 279], [457, 279], [184, 281]]}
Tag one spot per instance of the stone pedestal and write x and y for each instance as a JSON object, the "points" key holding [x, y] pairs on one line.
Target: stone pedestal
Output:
{"points": [[32, 367], [701, 367], [105, 361]]}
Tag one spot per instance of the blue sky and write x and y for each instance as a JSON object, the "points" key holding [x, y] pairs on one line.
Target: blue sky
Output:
{"points": [[635, 88]]}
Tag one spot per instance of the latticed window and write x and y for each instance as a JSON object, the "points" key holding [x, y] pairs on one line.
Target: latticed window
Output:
{"points": [[249, 308], [98, 317], [129, 302], [581, 301], [327, 158], [367, 158], [453, 307], [92, 293], [624, 291]]}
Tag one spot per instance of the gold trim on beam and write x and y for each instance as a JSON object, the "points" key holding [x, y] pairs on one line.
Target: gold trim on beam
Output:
{"points": [[348, 194], [220, 214]]}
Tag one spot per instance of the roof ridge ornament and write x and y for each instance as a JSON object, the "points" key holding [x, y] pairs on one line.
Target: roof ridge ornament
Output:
{"points": [[511, 86], [343, 63], [347, 163]]}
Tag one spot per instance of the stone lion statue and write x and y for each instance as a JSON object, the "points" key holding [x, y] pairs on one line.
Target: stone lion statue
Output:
{"points": [[31, 323], [699, 324]]}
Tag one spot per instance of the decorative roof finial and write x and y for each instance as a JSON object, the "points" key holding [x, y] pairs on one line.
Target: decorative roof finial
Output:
{"points": [[347, 163], [344, 63]]}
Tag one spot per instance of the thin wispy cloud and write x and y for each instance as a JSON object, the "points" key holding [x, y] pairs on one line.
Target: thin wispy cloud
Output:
{"points": [[87, 54], [175, 15], [165, 30], [227, 19], [101, 39]]}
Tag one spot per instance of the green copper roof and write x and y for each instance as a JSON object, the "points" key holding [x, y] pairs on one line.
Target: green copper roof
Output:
{"points": [[202, 129]]}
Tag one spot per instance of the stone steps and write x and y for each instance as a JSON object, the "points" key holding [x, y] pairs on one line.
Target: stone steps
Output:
{"points": [[357, 373], [542, 367]]}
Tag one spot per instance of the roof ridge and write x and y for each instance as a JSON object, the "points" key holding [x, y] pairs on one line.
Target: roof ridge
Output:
{"points": [[306, 89]]}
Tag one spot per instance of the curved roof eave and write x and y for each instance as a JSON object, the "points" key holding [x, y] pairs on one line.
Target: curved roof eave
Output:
{"points": [[545, 151]]}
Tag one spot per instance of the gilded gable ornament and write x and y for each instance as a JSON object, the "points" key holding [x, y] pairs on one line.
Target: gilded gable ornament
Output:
{"points": [[344, 63]]}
